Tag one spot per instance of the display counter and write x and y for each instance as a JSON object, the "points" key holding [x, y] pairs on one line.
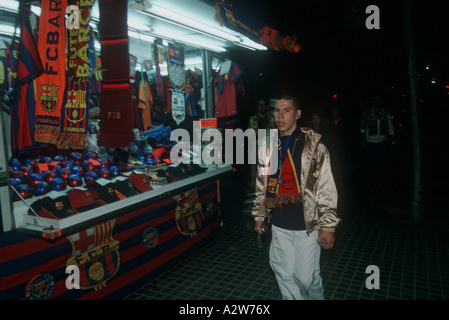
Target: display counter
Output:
{"points": [[115, 248]]}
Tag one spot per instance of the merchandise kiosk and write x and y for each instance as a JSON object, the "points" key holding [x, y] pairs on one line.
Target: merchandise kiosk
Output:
{"points": [[98, 221]]}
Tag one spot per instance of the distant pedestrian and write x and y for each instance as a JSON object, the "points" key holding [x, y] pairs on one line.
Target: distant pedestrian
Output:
{"points": [[263, 119], [377, 136]]}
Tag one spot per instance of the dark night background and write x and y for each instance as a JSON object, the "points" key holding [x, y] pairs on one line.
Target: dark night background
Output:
{"points": [[341, 57]]}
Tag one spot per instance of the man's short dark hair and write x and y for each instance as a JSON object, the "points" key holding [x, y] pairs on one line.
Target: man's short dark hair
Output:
{"points": [[290, 97]]}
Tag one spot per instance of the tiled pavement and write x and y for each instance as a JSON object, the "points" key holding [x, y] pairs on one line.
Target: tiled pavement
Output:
{"points": [[413, 258]]}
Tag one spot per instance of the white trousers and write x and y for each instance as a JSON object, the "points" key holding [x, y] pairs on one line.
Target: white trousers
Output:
{"points": [[295, 260]]}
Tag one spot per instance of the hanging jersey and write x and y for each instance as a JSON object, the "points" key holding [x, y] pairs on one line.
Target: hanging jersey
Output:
{"points": [[227, 86], [145, 103]]}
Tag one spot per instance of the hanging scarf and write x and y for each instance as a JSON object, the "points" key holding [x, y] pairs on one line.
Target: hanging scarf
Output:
{"points": [[117, 113], [50, 86], [74, 126], [283, 185]]}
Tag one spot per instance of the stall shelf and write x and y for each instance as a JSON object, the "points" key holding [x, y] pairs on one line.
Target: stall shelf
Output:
{"points": [[120, 247]]}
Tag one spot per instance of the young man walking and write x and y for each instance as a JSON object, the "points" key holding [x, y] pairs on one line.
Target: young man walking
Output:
{"points": [[300, 201]]}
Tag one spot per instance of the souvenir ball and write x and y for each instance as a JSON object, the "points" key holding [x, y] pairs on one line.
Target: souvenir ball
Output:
{"points": [[64, 173], [89, 166], [34, 179], [30, 163], [76, 158], [26, 171], [49, 176], [58, 158], [41, 188], [58, 184], [13, 183], [114, 171], [90, 177], [24, 190], [15, 165], [104, 162], [91, 155], [77, 170], [74, 180], [105, 173], [45, 160], [18, 176]]}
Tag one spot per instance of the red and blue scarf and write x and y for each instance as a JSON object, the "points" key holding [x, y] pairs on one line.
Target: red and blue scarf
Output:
{"points": [[73, 133], [283, 185]]}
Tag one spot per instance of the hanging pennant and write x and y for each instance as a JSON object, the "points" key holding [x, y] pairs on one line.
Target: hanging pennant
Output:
{"points": [[178, 109], [177, 76]]}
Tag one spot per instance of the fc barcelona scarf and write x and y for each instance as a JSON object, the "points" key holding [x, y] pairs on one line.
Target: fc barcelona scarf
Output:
{"points": [[50, 86], [75, 112], [283, 185], [116, 103]]}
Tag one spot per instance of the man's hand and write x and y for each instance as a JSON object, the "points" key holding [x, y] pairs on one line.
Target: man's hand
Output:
{"points": [[257, 226], [327, 236]]}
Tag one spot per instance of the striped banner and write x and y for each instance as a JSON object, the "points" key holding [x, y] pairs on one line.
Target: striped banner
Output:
{"points": [[114, 257]]}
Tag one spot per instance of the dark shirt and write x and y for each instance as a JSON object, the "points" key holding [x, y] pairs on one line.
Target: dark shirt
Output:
{"points": [[291, 216]]}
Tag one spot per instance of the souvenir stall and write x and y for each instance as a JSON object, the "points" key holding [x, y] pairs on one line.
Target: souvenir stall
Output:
{"points": [[94, 199], [92, 203]]}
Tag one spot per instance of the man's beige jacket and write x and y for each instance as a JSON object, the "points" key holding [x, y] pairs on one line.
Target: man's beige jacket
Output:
{"points": [[318, 188]]}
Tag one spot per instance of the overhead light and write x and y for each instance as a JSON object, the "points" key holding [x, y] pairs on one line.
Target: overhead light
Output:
{"points": [[193, 25], [138, 26], [188, 40], [187, 22], [11, 6], [36, 10], [8, 30], [140, 36], [247, 42], [146, 37]]}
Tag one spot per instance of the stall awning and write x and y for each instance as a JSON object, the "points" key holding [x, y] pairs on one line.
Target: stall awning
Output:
{"points": [[254, 29], [193, 22]]}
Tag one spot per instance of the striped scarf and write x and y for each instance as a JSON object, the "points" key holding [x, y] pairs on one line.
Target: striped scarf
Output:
{"points": [[283, 185], [75, 113], [116, 103]]}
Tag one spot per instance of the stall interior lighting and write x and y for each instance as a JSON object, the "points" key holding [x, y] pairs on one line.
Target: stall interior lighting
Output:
{"points": [[187, 40], [176, 19], [146, 33], [192, 25], [8, 30]]}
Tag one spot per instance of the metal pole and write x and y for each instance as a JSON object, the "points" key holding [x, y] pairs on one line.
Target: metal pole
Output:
{"points": [[416, 137], [207, 82], [7, 219]]}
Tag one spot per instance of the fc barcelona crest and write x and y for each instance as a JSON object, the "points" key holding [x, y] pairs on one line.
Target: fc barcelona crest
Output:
{"points": [[188, 213], [76, 108], [272, 184], [49, 97], [96, 254]]}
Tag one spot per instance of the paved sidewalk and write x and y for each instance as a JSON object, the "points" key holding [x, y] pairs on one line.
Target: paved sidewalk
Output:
{"points": [[412, 258]]}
